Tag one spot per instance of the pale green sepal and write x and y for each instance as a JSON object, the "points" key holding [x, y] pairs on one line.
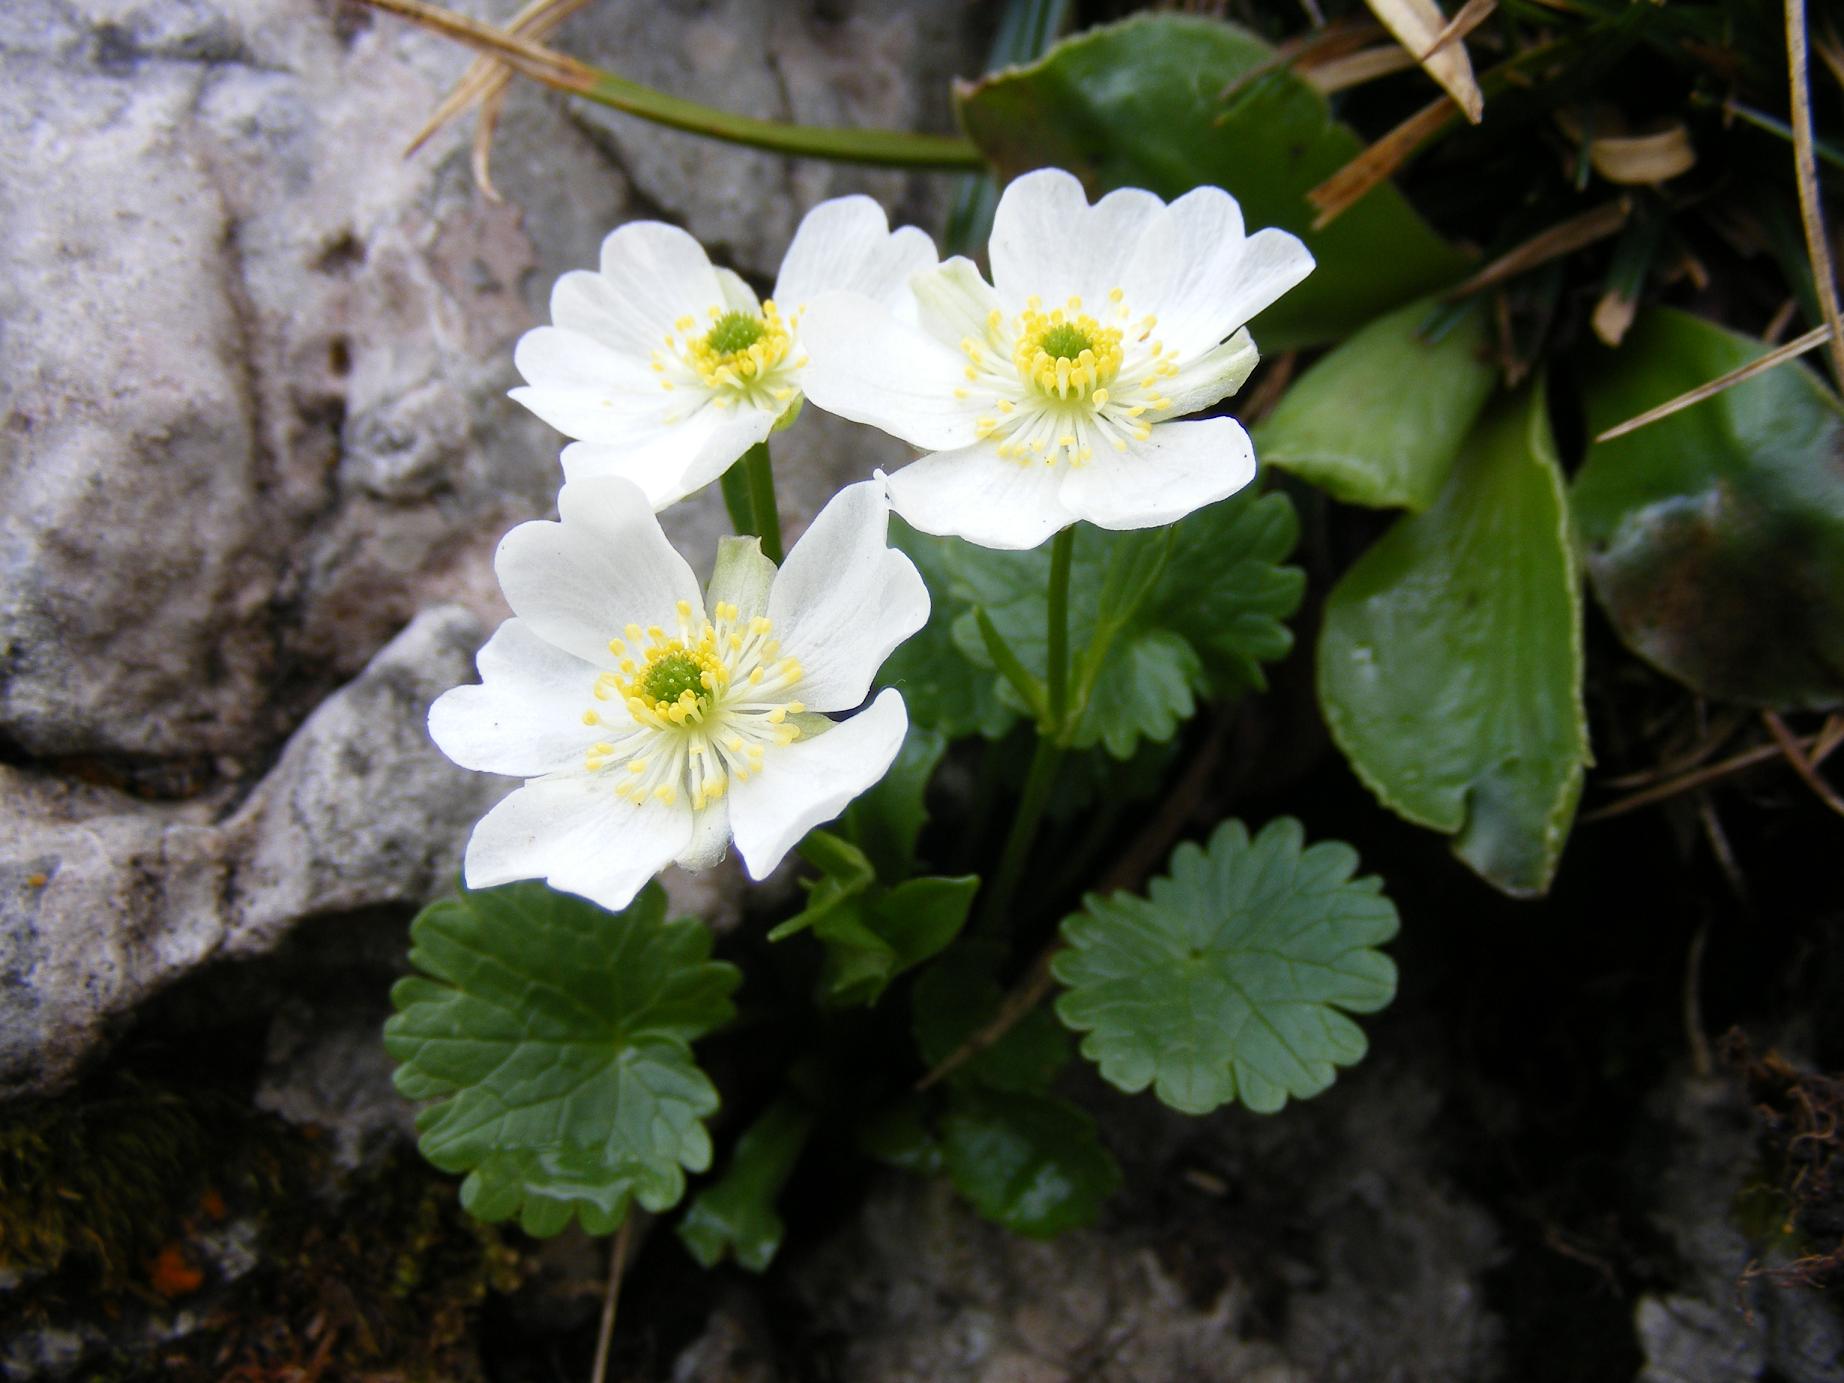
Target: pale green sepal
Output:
{"points": [[742, 576]]}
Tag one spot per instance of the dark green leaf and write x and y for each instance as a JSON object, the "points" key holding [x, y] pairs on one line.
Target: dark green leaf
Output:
{"points": [[881, 935], [1032, 1163], [1715, 536], [1380, 419], [940, 687], [737, 1214], [898, 1136], [956, 997], [1228, 980], [1140, 104], [1450, 664], [556, 1039], [885, 822]]}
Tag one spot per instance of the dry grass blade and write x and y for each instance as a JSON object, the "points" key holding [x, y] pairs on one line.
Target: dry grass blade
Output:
{"points": [[1831, 52], [1643, 159], [1471, 15], [530, 59], [1565, 237], [485, 82], [1420, 27], [1819, 745], [1805, 166], [1355, 69], [1350, 184], [1806, 768], [1778, 356], [617, 1264]]}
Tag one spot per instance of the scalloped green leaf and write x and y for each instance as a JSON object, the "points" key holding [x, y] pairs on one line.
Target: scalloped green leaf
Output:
{"points": [[736, 1215], [1170, 102], [556, 1039], [1714, 538], [1155, 619], [1450, 662], [1380, 419], [1033, 1163], [1233, 978]]}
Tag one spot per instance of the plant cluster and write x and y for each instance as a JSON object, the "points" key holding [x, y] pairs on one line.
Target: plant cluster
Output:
{"points": [[1088, 573]]}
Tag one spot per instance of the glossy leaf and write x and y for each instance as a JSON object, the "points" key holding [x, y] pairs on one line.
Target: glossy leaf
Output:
{"points": [[1714, 538], [1233, 977], [1450, 661], [1142, 103], [1380, 419], [555, 1039], [878, 937], [1033, 1163], [737, 1215]]}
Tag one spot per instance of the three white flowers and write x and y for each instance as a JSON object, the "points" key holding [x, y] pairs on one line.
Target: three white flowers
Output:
{"points": [[653, 722]]}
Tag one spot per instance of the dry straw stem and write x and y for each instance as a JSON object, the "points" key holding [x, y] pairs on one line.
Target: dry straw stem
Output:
{"points": [[1350, 184], [1807, 769], [1421, 28], [1814, 338], [617, 1264], [1565, 237], [1805, 165], [1819, 748], [485, 82]]}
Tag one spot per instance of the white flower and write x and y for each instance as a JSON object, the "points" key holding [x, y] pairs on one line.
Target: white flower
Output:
{"points": [[1047, 395], [668, 369], [653, 723]]}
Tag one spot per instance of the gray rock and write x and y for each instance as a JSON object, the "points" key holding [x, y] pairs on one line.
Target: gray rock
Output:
{"points": [[253, 418], [105, 900]]}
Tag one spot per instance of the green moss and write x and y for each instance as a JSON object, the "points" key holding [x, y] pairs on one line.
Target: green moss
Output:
{"points": [[99, 1182]]}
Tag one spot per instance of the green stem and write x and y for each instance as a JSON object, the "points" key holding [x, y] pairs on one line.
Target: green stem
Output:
{"points": [[1062, 547], [760, 476], [893, 148], [736, 499], [997, 903]]}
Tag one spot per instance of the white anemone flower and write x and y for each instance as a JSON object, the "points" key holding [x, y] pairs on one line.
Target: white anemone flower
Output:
{"points": [[652, 722], [1049, 395], [667, 369]]}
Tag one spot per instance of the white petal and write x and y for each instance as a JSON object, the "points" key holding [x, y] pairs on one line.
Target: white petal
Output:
{"points": [[1181, 467], [869, 367], [811, 780], [976, 494], [652, 275], [742, 576], [1213, 279], [573, 832], [578, 583], [585, 389], [1210, 377], [710, 836], [1047, 240], [525, 717], [669, 461], [953, 302], [845, 598], [846, 245]]}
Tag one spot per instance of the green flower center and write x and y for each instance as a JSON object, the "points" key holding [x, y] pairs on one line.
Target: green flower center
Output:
{"points": [[1065, 341], [672, 675], [735, 331]]}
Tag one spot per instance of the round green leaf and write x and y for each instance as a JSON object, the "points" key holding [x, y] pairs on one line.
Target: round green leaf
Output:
{"points": [[1450, 661], [1232, 978], [555, 1038], [1714, 538]]}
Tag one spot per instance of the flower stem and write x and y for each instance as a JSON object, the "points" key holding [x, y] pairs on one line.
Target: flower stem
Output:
{"points": [[760, 476], [1062, 548], [1053, 735], [997, 903], [735, 486], [893, 148]]}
